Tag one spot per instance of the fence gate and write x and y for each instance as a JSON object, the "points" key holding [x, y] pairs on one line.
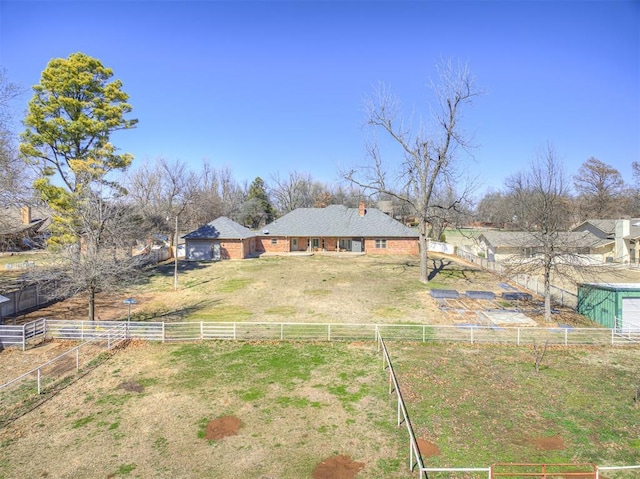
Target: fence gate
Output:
{"points": [[543, 471]]}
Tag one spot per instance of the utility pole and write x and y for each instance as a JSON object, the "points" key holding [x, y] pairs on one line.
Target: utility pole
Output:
{"points": [[175, 257]]}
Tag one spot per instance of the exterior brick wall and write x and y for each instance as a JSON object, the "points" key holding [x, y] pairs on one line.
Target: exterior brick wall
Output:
{"points": [[231, 249], [394, 246], [265, 244]]}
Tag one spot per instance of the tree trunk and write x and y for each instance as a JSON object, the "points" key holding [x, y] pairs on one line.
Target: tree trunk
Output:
{"points": [[92, 303], [547, 293], [424, 254]]}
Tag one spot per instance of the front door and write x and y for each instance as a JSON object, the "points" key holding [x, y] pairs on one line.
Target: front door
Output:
{"points": [[315, 244], [294, 244]]}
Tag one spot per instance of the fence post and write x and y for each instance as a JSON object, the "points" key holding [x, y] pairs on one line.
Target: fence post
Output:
{"points": [[281, 331], [201, 330], [566, 336], [472, 334], [163, 332], [24, 337]]}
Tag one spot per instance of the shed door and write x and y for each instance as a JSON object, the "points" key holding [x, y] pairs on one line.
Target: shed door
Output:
{"points": [[356, 246], [630, 313], [216, 251], [198, 250]]}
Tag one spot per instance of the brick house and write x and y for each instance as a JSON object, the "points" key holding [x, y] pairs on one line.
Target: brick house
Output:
{"points": [[222, 238], [337, 228], [23, 228]]}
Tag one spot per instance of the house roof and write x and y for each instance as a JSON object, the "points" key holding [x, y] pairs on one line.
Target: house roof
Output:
{"points": [[525, 239], [11, 221], [607, 226], [223, 228], [634, 230], [338, 221]]}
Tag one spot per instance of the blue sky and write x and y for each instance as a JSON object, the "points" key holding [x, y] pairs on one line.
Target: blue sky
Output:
{"points": [[270, 87]]}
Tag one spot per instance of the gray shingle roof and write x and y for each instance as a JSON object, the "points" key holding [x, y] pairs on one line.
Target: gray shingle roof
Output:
{"points": [[338, 221], [527, 239], [222, 227]]}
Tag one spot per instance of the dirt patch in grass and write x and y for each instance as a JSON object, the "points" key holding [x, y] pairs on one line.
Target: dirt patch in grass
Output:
{"points": [[222, 427], [553, 443], [337, 467], [428, 449]]}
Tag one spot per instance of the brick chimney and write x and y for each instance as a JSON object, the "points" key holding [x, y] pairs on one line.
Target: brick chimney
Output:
{"points": [[25, 215], [361, 209]]}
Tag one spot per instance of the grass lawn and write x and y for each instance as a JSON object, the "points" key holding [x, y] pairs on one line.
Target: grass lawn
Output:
{"points": [[481, 405], [144, 413]]}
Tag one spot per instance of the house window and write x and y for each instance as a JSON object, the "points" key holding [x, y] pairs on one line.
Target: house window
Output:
{"points": [[274, 240], [381, 243]]}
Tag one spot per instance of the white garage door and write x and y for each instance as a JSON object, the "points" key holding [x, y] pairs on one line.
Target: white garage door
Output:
{"points": [[630, 313], [198, 250]]}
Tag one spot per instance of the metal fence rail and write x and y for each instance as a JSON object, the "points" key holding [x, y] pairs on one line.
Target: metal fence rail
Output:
{"points": [[20, 335], [20, 390], [415, 458], [245, 331]]}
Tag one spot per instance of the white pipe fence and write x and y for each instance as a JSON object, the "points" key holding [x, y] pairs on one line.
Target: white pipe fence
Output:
{"points": [[415, 458], [244, 331], [47, 375]]}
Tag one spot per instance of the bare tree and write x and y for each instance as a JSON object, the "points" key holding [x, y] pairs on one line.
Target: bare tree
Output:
{"points": [[164, 191], [538, 354], [161, 191], [294, 191], [542, 210], [14, 180], [101, 260], [428, 156], [600, 189], [495, 209]]}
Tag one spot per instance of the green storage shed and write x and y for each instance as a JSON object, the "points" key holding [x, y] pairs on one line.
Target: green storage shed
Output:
{"points": [[614, 305]]}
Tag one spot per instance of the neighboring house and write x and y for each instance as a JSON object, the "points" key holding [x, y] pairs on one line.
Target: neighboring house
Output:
{"points": [[604, 229], [23, 228], [508, 245], [337, 228], [614, 305], [624, 234], [223, 238]]}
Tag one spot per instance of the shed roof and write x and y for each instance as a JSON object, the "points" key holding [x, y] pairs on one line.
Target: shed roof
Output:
{"points": [[338, 221], [612, 286], [221, 228]]}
